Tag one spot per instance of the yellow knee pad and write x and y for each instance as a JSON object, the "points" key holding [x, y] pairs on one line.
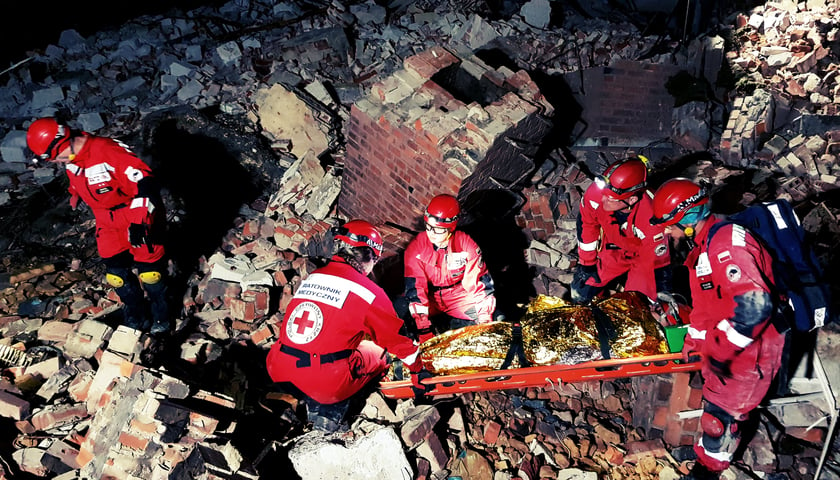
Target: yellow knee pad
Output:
{"points": [[114, 280], [150, 278]]}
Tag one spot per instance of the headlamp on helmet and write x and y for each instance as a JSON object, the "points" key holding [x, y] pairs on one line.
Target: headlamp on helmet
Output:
{"points": [[624, 178]]}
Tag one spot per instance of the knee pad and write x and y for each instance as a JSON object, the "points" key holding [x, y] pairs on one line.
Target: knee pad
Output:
{"points": [[712, 425], [720, 436], [114, 280], [150, 278]]}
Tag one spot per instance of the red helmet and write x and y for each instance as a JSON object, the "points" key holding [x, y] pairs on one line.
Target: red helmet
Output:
{"points": [[674, 198], [359, 233], [624, 178], [443, 211], [46, 138]]}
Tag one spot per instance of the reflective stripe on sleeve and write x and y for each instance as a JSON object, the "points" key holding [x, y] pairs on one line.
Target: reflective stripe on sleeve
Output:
{"points": [[588, 247], [143, 202]]}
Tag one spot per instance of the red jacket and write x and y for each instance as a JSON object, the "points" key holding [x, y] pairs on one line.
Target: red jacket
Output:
{"points": [[731, 322], [105, 174], [452, 280], [635, 236], [333, 310]]}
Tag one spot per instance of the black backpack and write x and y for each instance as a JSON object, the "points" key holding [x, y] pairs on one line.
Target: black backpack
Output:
{"points": [[799, 282]]}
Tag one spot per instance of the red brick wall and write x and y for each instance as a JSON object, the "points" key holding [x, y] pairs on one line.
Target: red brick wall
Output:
{"points": [[391, 171], [410, 139], [627, 103]]}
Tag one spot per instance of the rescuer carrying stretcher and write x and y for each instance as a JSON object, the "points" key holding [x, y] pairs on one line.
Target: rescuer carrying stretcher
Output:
{"points": [[445, 274], [615, 236]]}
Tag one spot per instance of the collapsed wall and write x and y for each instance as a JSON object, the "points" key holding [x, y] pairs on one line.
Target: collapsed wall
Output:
{"points": [[442, 124]]}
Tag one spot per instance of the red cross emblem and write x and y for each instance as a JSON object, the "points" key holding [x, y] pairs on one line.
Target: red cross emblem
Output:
{"points": [[304, 323]]}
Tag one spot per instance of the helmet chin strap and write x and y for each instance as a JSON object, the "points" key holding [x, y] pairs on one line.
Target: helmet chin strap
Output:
{"points": [[689, 234]]}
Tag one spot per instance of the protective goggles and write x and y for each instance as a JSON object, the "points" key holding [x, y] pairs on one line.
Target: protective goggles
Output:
{"points": [[695, 214], [436, 230], [343, 232]]}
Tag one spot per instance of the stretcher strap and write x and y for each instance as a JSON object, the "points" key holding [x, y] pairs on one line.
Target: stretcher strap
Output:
{"points": [[606, 331], [517, 349]]}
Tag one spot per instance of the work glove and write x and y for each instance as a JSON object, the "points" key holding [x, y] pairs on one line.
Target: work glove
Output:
{"points": [[425, 334], [584, 273], [418, 374], [421, 320], [424, 327], [138, 235]]}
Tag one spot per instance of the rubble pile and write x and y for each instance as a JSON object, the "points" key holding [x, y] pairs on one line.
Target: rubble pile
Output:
{"points": [[790, 51], [86, 400]]}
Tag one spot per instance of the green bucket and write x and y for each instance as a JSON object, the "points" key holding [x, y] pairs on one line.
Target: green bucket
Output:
{"points": [[675, 335]]}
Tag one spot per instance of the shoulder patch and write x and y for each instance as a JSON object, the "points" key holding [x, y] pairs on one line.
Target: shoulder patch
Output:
{"points": [[133, 174], [305, 323], [661, 249], [733, 272]]}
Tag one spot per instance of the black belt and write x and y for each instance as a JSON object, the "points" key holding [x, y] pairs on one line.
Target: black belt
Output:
{"points": [[305, 358], [435, 288]]}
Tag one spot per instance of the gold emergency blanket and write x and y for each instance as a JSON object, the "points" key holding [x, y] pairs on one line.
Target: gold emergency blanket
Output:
{"points": [[553, 332]]}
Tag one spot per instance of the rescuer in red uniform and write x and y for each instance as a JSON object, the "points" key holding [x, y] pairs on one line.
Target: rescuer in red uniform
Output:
{"points": [[615, 235], [445, 273], [321, 348], [742, 350], [120, 190]]}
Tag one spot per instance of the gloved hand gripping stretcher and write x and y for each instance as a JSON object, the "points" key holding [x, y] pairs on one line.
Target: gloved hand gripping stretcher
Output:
{"points": [[553, 343]]}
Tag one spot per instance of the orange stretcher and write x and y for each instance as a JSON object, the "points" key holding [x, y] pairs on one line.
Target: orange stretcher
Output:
{"points": [[545, 376]]}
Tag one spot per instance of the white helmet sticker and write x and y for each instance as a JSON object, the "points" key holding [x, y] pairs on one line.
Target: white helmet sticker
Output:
{"points": [[305, 323]]}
